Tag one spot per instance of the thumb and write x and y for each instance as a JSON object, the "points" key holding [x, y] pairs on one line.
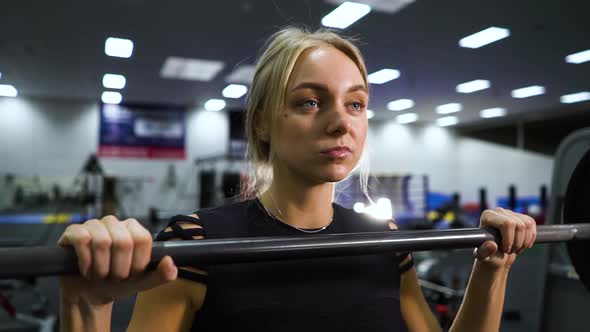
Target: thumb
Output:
{"points": [[165, 272], [486, 250]]}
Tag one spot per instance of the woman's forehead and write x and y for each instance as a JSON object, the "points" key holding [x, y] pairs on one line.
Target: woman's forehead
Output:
{"points": [[326, 66]]}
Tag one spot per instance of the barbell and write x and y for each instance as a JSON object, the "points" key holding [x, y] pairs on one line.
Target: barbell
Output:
{"points": [[19, 262]]}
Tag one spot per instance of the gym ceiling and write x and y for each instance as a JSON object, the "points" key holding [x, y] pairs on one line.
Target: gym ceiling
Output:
{"points": [[55, 49]]}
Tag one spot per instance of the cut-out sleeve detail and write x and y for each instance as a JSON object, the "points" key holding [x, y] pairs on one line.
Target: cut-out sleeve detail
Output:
{"points": [[188, 228], [405, 259], [178, 231]]}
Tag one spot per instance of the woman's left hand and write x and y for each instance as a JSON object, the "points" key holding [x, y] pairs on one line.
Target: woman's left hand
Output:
{"points": [[518, 232]]}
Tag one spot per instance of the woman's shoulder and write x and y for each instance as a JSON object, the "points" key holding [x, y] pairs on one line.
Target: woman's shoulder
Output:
{"points": [[237, 208], [229, 220], [204, 222]]}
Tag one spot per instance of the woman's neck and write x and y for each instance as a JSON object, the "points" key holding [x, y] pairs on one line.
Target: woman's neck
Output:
{"points": [[300, 204]]}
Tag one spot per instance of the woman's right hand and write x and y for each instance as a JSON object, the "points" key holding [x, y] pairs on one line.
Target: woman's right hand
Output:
{"points": [[112, 259]]}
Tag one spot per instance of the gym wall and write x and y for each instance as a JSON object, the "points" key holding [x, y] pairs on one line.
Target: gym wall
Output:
{"points": [[54, 138], [455, 163]]}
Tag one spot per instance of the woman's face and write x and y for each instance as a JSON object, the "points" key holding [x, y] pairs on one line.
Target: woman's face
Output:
{"points": [[321, 133]]}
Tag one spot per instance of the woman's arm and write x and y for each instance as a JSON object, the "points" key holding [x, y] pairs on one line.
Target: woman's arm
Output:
{"points": [[483, 303], [80, 316], [181, 299], [172, 306], [109, 252], [415, 309], [162, 300], [484, 300]]}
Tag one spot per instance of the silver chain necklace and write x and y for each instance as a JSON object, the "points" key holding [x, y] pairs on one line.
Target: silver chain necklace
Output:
{"points": [[308, 231]]}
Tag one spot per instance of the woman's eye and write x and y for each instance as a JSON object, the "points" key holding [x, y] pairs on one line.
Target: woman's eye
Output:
{"points": [[357, 106], [311, 104]]}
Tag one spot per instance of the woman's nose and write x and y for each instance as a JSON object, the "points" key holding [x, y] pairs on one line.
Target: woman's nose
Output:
{"points": [[338, 123]]}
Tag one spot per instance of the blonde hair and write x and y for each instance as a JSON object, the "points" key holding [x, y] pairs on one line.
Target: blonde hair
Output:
{"points": [[268, 92]]}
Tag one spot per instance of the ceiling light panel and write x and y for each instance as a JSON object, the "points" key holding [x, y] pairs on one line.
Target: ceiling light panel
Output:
{"points": [[400, 104], [111, 97], [242, 74], [215, 104], [382, 6], [113, 81], [473, 86], [449, 108], [7, 90], [383, 76], [528, 91], [575, 97], [406, 118], [484, 37], [579, 57], [492, 112], [118, 47], [191, 69], [345, 15], [447, 121], [234, 91]]}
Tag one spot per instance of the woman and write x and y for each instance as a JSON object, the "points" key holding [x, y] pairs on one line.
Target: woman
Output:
{"points": [[307, 126]]}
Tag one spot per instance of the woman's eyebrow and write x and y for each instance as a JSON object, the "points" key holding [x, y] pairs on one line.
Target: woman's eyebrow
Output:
{"points": [[311, 85], [323, 87], [359, 87]]}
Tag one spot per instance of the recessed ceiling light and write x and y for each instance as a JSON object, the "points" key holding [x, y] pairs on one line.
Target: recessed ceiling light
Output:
{"points": [[575, 97], [345, 15], [113, 81], [118, 47], [406, 118], [111, 97], [383, 75], [529, 91], [7, 90], [484, 37], [242, 74], [234, 91], [191, 69], [370, 114], [579, 57], [449, 108], [400, 104], [382, 6], [215, 104], [472, 86], [492, 112], [447, 121]]}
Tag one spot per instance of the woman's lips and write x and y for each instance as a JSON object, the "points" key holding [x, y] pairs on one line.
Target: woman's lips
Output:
{"points": [[337, 153]]}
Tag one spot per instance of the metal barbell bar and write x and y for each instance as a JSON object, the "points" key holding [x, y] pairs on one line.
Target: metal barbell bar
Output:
{"points": [[19, 262]]}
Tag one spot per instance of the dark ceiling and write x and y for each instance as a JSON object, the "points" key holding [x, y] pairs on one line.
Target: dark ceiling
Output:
{"points": [[55, 49]]}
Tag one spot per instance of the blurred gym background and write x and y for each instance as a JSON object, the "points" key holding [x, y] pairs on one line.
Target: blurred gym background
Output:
{"points": [[135, 108]]}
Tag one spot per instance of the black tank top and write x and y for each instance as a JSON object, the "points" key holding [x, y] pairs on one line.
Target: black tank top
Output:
{"points": [[351, 293]]}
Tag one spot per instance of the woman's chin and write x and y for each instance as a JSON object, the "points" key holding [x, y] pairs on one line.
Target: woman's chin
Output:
{"points": [[337, 175], [332, 173]]}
